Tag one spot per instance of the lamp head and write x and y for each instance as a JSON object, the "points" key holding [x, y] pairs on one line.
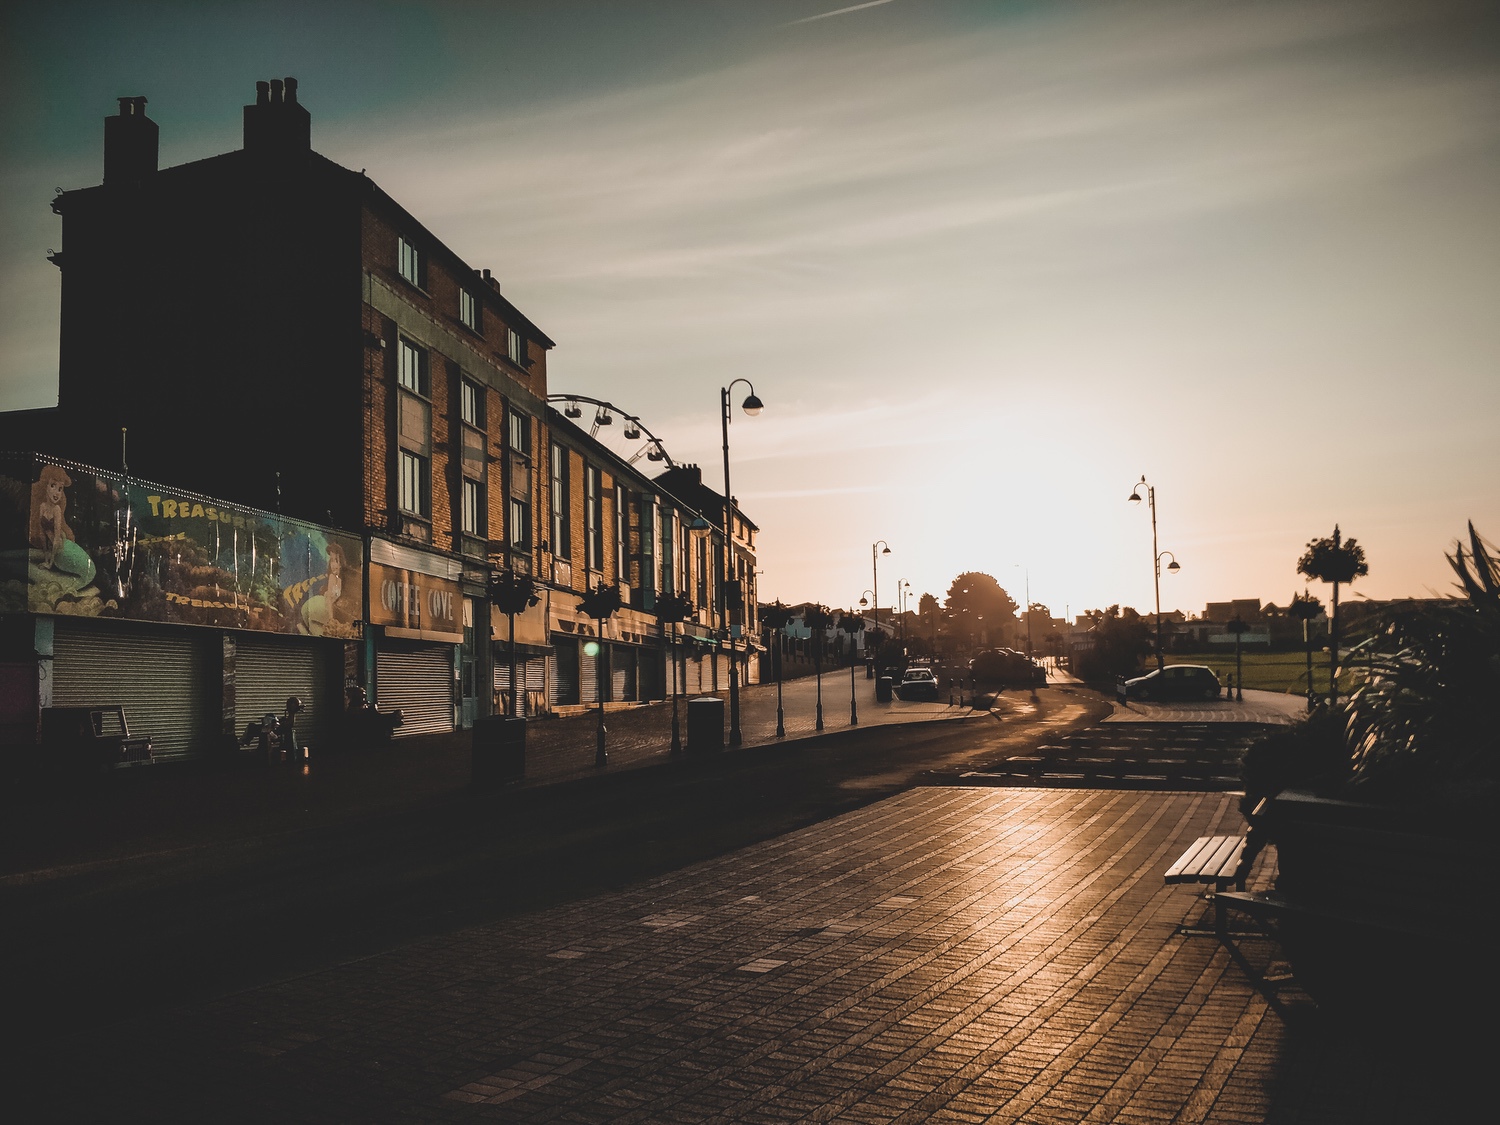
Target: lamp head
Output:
{"points": [[864, 602], [1172, 567], [753, 405], [1135, 495], [886, 551]]}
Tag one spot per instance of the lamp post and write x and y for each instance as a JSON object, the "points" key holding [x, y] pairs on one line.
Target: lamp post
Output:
{"points": [[1156, 557], [600, 603], [902, 589], [877, 548], [752, 406], [818, 619], [1238, 628], [1026, 570]]}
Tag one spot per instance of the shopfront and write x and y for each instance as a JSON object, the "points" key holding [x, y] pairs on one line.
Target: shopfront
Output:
{"points": [[417, 607]]}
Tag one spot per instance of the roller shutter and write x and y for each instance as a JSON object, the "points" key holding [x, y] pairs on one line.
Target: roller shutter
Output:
{"points": [[622, 672], [533, 677], [166, 681], [417, 681], [268, 669], [588, 674], [563, 685]]}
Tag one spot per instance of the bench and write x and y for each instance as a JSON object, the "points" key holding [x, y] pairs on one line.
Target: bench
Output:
{"points": [[1210, 859]]}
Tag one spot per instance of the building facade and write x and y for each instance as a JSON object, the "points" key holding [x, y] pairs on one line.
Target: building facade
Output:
{"points": [[268, 327]]}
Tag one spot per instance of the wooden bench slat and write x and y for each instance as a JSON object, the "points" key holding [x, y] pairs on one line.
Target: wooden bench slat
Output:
{"points": [[1226, 855], [1176, 873]]}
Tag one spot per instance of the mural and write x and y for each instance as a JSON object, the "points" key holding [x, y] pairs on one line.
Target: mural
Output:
{"points": [[86, 543]]}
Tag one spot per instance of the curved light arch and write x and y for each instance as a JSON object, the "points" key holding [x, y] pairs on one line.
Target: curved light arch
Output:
{"points": [[603, 412]]}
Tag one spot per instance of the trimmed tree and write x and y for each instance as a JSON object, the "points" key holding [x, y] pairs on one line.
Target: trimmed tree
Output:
{"points": [[1338, 561]]}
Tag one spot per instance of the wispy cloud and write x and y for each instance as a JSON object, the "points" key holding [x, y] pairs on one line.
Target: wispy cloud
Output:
{"points": [[839, 12]]}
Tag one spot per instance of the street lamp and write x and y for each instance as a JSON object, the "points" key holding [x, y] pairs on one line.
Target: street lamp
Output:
{"points": [[902, 589], [877, 548], [752, 406], [869, 641], [1026, 570], [1156, 557]]}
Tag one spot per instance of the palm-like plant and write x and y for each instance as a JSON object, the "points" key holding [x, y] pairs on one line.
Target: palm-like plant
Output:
{"points": [[1423, 722], [1337, 561]]}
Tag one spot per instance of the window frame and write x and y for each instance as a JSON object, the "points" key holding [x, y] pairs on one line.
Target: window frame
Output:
{"points": [[518, 425], [470, 394], [593, 517], [560, 489], [411, 263], [515, 347], [518, 531], [470, 310], [414, 482], [423, 368], [471, 507]]}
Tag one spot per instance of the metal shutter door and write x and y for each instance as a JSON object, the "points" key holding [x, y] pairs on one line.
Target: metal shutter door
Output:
{"points": [[533, 677], [161, 679], [419, 683], [622, 685], [267, 670], [588, 674], [563, 688]]}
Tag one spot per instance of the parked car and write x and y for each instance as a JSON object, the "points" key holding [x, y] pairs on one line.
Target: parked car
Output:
{"points": [[1174, 682], [918, 683]]}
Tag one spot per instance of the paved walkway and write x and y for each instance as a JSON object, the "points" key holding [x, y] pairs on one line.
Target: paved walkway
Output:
{"points": [[950, 954], [166, 810], [1257, 707]]}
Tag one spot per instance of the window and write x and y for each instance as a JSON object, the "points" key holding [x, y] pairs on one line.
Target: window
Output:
{"points": [[471, 404], [520, 432], [412, 368], [562, 537], [413, 484], [668, 583], [593, 515], [473, 508], [516, 347], [469, 310], [409, 261], [622, 536], [703, 573], [520, 524]]}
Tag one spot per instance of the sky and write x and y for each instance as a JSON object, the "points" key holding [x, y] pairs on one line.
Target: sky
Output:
{"points": [[987, 264]]}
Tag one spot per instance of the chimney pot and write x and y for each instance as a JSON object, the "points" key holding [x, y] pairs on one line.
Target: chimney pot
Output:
{"points": [[262, 93], [276, 125], [290, 85], [276, 91]]}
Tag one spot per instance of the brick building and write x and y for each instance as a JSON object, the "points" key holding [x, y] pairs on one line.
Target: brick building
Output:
{"points": [[268, 327]]}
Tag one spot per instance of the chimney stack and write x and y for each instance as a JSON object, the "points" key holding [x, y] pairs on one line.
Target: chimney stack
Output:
{"points": [[131, 142], [277, 125]]}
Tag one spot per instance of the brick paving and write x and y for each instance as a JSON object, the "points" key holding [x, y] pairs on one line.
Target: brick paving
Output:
{"points": [[948, 954]]}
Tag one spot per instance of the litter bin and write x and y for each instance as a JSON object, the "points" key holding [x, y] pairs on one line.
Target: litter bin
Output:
{"points": [[883, 689], [705, 723], [499, 751]]}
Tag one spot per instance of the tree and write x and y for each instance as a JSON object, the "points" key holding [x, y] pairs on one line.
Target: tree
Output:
{"points": [[600, 603], [1336, 561], [1121, 637], [1304, 607], [978, 610], [671, 610], [513, 593], [818, 621]]}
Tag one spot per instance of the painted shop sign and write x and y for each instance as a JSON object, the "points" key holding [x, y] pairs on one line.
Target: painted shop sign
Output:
{"points": [[417, 604], [83, 542]]}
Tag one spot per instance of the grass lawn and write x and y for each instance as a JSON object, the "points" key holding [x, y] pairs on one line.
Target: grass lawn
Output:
{"points": [[1270, 671]]}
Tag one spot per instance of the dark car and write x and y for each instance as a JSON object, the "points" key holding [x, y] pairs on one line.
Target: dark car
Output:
{"points": [[918, 683], [1174, 682]]}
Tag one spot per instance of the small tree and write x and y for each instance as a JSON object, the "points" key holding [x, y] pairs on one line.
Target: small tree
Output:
{"points": [[512, 593], [852, 623], [775, 617], [1304, 607], [1337, 561], [672, 610], [601, 603], [818, 621]]}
